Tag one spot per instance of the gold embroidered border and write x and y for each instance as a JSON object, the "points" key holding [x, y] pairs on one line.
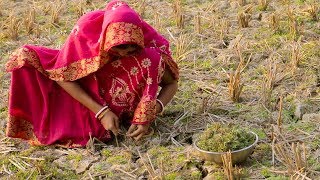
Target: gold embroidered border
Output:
{"points": [[22, 55], [145, 112], [172, 65], [122, 32], [21, 128], [71, 72]]}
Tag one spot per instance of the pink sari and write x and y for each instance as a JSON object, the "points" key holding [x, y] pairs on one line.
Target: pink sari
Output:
{"points": [[43, 113]]}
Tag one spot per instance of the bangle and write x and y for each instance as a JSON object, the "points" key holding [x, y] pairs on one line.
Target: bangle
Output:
{"points": [[103, 113], [100, 111], [161, 104]]}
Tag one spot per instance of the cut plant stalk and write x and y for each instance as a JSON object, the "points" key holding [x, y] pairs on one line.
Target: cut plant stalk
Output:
{"points": [[37, 31], [13, 27], [244, 17], [227, 165], [313, 11], [224, 28], [56, 9], [142, 8], [197, 23], [242, 2], [29, 22], [263, 4], [294, 158], [80, 10], [293, 23], [182, 44], [279, 119], [274, 22], [235, 86], [268, 83], [178, 13], [296, 54], [157, 22]]}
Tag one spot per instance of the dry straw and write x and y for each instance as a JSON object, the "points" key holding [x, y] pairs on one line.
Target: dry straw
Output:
{"points": [[37, 31], [296, 54], [235, 86], [263, 4], [178, 13], [157, 22], [313, 10], [242, 2], [197, 23], [55, 11], [274, 22], [29, 21], [142, 8], [46, 8], [182, 47], [293, 23], [244, 16], [1, 7], [224, 28], [279, 119], [294, 158], [13, 27], [80, 10], [268, 83], [227, 165]]}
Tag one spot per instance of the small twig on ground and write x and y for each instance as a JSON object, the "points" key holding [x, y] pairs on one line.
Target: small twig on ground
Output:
{"points": [[150, 170], [127, 173]]}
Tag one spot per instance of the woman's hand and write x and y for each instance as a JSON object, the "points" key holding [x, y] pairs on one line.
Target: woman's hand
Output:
{"points": [[110, 121], [137, 131]]}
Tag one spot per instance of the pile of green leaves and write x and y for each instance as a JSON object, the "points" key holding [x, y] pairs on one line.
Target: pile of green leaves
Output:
{"points": [[222, 138]]}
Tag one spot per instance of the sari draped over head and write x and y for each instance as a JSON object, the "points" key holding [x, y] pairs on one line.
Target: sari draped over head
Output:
{"points": [[43, 113]]}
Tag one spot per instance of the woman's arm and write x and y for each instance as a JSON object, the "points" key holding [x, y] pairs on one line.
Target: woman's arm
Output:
{"points": [[169, 88], [109, 121], [74, 89]]}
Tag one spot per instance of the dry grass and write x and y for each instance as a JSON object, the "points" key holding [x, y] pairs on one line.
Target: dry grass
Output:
{"points": [[224, 25], [244, 16], [274, 22], [81, 8], [182, 44], [268, 83], [178, 13], [279, 119], [227, 165], [235, 86], [197, 23], [142, 8], [263, 4], [242, 2], [29, 21], [313, 10], [293, 23], [296, 54], [1, 6], [294, 158], [13, 27], [55, 11], [244, 19], [157, 22]]}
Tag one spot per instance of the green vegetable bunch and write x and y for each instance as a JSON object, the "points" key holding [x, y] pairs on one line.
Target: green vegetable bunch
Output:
{"points": [[222, 138]]}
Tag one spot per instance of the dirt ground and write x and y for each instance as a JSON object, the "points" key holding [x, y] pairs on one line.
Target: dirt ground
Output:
{"points": [[240, 62]]}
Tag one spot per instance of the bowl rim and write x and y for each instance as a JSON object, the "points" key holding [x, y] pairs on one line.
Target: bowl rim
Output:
{"points": [[219, 153]]}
